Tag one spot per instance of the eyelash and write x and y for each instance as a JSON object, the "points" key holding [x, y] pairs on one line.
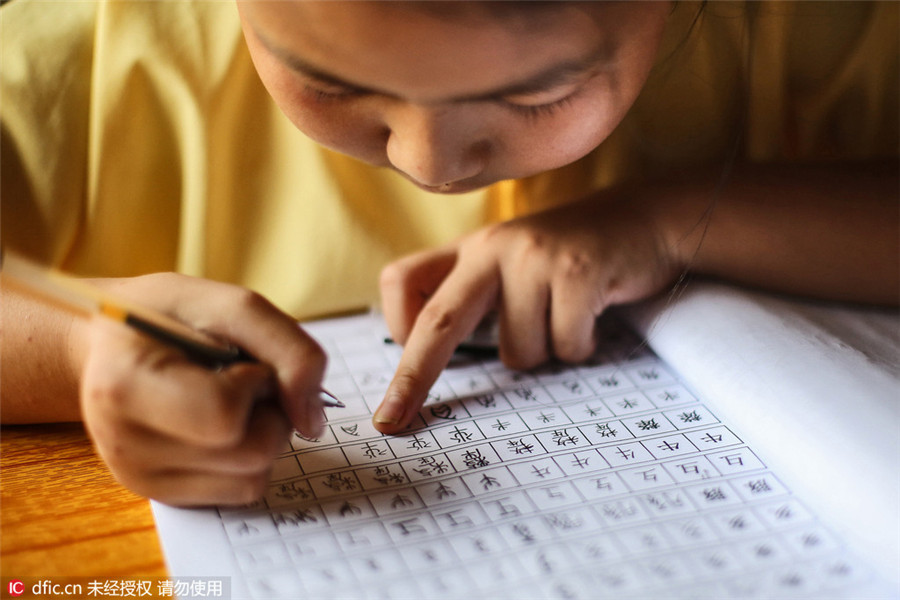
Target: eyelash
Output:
{"points": [[540, 110], [322, 96], [530, 112]]}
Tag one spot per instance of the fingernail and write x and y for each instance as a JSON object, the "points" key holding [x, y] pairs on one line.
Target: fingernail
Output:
{"points": [[316, 418], [391, 410]]}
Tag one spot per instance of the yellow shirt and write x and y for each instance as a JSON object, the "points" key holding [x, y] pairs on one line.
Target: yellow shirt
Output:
{"points": [[137, 138]]}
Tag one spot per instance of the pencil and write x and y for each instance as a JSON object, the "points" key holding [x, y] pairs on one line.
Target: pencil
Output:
{"points": [[472, 349], [84, 299]]}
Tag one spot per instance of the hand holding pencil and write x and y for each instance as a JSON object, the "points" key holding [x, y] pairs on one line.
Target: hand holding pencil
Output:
{"points": [[169, 426]]}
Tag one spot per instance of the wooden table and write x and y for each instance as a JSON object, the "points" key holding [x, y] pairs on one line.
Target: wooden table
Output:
{"points": [[63, 515]]}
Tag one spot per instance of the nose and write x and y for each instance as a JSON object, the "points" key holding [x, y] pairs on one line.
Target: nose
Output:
{"points": [[436, 145]]}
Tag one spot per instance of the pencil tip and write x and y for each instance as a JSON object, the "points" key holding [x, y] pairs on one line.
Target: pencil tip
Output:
{"points": [[329, 400]]}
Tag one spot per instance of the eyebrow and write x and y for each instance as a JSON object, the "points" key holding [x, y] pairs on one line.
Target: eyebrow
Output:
{"points": [[547, 79]]}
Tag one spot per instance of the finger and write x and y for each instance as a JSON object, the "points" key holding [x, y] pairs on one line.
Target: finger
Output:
{"points": [[574, 308], [452, 314], [196, 489], [249, 320], [135, 449], [524, 304], [130, 378], [408, 283]]}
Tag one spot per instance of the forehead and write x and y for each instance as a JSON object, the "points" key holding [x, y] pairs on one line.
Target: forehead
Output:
{"points": [[430, 49]]}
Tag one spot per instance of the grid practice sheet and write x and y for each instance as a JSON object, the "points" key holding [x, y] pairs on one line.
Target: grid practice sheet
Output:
{"points": [[609, 479]]}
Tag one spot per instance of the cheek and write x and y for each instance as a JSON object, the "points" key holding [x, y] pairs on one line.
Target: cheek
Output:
{"points": [[335, 125], [563, 140]]}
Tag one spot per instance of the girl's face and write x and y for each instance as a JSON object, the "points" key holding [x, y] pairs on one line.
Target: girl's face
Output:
{"points": [[458, 95]]}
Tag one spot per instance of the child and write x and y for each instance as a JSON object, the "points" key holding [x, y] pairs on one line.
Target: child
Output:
{"points": [[634, 142]]}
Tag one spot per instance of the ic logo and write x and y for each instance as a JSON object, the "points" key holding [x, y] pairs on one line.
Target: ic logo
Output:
{"points": [[15, 587]]}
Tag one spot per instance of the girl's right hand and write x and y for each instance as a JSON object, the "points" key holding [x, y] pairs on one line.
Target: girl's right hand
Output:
{"points": [[184, 434]]}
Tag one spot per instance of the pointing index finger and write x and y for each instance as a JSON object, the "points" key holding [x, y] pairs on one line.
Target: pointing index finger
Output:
{"points": [[446, 319]]}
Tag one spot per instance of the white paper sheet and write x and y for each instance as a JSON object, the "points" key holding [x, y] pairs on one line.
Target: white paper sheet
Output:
{"points": [[710, 473], [815, 386]]}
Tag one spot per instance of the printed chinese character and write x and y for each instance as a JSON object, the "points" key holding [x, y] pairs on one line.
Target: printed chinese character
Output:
{"points": [[525, 394], [546, 417], [606, 430], [690, 417], [668, 446], [486, 400], [506, 510], [573, 386], [714, 494], [565, 521], [649, 475], [443, 411], [293, 490], [668, 396], [348, 509], [520, 446], [540, 472], [474, 460], [627, 403], [410, 526], [524, 532], [689, 468], [647, 424], [443, 491], [460, 435], [562, 437], [429, 466], [294, 517], [417, 443], [625, 453], [579, 461], [385, 476], [463, 520], [592, 412], [618, 511], [602, 483], [732, 459], [608, 382], [487, 482], [759, 486], [371, 450], [401, 501], [650, 374], [341, 482], [501, 425], [246, 528]]}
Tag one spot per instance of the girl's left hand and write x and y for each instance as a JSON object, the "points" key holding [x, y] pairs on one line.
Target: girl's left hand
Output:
{"points": [[548, 276]]}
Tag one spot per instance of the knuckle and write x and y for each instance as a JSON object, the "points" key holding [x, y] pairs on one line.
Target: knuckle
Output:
{"points": [[249, 300], [394, 275], [410, 382], [527, 249], [531, 242], [482, 240], [306, 368], [573, 264], [104, 392], [438, 319]]}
